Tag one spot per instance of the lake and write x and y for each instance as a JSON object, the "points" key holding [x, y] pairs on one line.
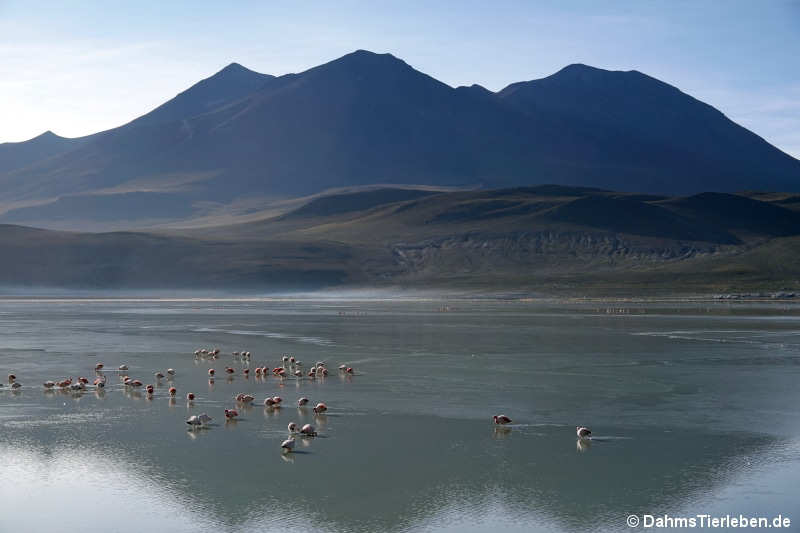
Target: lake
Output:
{"points": [[693, 408]]}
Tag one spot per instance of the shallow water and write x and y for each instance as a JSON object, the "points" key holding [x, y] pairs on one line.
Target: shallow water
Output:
{"points": [[693, 408]]}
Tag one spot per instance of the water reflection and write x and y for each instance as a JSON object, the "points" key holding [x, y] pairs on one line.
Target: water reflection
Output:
{"points": [[407, 446], [359, 479]]}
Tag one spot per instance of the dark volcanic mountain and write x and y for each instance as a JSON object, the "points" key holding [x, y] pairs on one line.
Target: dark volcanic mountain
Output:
{"points": [[368, 118]]}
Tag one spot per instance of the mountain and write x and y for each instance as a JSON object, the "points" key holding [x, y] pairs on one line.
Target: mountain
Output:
{"points": [[660, 135], [20, 154], [240, 138], [229, 84]]}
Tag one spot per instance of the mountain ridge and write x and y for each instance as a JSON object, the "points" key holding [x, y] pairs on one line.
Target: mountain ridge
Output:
{"points": [[369, 118]]}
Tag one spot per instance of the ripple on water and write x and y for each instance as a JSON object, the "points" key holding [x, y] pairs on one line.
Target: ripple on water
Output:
{"points": [[269, 334]]}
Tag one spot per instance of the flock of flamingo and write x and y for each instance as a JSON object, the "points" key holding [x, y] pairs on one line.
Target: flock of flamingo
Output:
{"points": [[289, 366]]}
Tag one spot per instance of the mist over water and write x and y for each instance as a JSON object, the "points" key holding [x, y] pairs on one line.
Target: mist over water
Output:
{"points": [[692, 405]]}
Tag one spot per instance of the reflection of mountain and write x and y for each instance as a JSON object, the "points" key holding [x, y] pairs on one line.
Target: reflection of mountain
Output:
{"points": [[417, 470]]}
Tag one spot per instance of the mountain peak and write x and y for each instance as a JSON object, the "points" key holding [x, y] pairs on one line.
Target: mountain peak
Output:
{"points": [[365, 59], [235, 68], [227, 85], [48, 135]]}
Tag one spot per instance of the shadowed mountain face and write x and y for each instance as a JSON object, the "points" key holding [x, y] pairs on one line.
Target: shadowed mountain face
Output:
{"points": [[371, 118]]}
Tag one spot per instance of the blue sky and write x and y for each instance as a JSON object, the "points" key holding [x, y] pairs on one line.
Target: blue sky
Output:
{"points": [[91, 66]]}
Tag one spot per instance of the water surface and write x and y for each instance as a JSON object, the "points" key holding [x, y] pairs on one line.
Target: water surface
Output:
{"points": [[693, 408]]}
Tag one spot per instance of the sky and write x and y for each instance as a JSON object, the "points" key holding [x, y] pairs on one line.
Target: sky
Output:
{"points": [[80, 67]]}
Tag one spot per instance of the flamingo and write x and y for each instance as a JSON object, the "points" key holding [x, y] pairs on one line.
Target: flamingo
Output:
{"points": [[246, 372], [100, 382], [277, 399], [171, 371], [292, 427], [173, 391], [308, 431], [247, 398], [158, 375], [123, 367], [288, 445], [302, 401], [83, 380], [211, 371], [11, 378], [230, 414], [342, 368], [320, 408], [258, 371], [190, 396], [583, 432], [98, 366], [16, 385], [49, 384], [298, 374], [149, 389], [269, 402], [501, 420], [78, 385], [292, 360], [197, 421], [136, 383], [229, 370], [348, 370], [64, 383]]}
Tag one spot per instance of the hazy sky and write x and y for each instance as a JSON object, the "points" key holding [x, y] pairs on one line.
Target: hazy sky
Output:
{"points": [[91, 66]]}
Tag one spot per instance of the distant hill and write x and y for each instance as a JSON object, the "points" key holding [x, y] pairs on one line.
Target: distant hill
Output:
{"points": [[18, 155], [546, 239], [368, 118]]}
